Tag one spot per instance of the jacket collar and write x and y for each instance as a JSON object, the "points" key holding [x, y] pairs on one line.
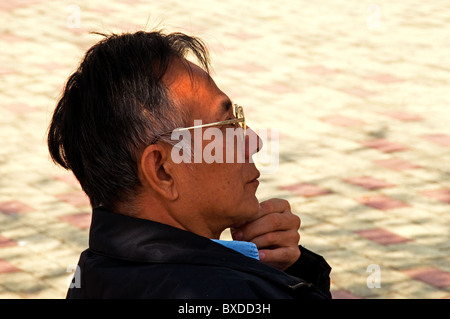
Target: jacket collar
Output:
{"points": [[140, 240]]}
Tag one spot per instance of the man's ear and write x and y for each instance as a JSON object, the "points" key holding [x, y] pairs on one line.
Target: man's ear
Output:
{"points": [[156, 168]]}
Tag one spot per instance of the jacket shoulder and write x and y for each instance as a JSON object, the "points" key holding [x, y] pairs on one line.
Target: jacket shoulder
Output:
{"points": [[104, 277]]}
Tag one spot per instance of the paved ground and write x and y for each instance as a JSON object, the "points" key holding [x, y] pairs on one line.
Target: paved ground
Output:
{"points": [[358, 89]]}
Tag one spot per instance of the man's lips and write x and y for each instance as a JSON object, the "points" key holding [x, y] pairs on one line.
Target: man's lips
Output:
{"points": [[256, 178]]}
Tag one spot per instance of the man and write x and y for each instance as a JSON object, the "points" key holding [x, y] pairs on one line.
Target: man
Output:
{"points": [[156, 220]]}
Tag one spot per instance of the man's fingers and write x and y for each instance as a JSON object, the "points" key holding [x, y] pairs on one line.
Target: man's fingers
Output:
{"points": [[277, 239], [275, 233], [274, 205], [266, 224], [280, 258], [274, 215]]}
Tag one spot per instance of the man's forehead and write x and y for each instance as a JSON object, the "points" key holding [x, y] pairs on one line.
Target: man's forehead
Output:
{"points": [[193, 87], [182, 72]]}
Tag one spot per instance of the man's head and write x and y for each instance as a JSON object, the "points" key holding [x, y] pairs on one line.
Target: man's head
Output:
{"points": [[127, 90]]}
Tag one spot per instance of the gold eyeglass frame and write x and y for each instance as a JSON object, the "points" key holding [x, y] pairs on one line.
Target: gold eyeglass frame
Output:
{"points": [[238, 112]]}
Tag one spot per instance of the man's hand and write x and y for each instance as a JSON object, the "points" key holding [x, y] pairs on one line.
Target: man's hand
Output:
{"points": [[275, 233]]}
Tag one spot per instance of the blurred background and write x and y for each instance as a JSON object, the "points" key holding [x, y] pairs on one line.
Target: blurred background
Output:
{"points": [[359, 91]]}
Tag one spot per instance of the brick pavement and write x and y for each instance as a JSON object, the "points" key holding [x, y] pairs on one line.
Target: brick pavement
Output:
{"points": [[358, 90]]}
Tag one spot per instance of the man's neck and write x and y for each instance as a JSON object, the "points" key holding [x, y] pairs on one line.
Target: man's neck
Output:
{"points": [[158, 212]]}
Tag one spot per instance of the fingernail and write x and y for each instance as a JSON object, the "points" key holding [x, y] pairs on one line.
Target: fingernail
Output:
{"points": [[262, 255]]}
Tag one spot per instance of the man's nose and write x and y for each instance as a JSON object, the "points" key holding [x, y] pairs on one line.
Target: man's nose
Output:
{"points": [[253, 143]]}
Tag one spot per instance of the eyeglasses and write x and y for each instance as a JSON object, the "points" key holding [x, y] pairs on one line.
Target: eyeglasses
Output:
{"points": [[238, 113]]}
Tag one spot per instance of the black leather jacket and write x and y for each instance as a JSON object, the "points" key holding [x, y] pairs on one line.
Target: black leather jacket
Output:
{"points": [[136, 258]]}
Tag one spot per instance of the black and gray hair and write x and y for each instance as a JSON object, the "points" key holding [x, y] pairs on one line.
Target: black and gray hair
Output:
{"points": [[113, 106]]}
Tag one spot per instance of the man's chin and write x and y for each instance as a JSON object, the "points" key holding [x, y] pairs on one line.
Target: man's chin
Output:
{"points": [[247, 216]]}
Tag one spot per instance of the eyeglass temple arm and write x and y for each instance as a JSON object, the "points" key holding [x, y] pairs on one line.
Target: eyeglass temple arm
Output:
{"points": [[198, 126], [208, 125]]}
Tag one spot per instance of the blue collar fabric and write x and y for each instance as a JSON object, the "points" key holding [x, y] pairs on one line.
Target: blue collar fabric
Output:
{"points": [[244, 247]]}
